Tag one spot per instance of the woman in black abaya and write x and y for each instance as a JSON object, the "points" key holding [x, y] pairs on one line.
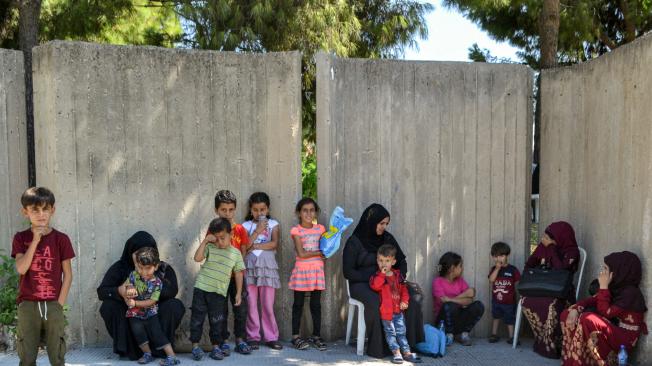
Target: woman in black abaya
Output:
{"points": [[359, 263], [113, 307]]}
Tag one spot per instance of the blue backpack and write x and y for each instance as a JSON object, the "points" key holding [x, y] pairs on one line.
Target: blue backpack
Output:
{"points": [[435, 343]]}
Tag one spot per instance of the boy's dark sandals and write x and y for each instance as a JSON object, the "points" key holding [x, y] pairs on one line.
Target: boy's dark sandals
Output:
{"points": [[147, 358], [254, 345], [243, 348], [318, 343], [300, 343], [216, 354], [494, 338], [197, 354], [226, 350], [169, 361], [274, 345], [511, 341]]}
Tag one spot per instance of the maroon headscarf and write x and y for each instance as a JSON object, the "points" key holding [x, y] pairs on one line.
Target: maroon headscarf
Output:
{"points": [[626, 269], [564, 254], [564, 235]]}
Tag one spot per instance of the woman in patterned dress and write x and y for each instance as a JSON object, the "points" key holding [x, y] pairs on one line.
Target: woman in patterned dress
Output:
{"points": [[557, 250], [596, 327]]}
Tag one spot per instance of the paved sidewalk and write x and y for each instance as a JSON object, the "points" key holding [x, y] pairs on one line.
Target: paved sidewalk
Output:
{"points": [[482, 353]]}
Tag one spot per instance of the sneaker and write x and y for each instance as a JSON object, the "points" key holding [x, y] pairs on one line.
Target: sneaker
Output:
{"points": [[449, 339], [226, 349], [494, 338], [464, 339], [216, 354], [147, 358], [197, 354], [169, 361]]}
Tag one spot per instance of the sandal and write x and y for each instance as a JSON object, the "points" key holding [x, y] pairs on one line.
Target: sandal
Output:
{"points": [[226, 349], [397, 358], [511, 341], [274, 345], [494, 338], [254, 345], [197, 354], [318, 343], [216, 354], [147, 358], [300, 343], [169, 361], [243, 348], [412, 357]]}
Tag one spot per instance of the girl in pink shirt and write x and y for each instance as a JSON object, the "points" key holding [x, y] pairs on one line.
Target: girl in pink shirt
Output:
{"points": [[453, 300]]}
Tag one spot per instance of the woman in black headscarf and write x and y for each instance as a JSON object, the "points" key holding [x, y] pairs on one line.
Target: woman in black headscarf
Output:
{"points": [[113, 307], [359, 263]]}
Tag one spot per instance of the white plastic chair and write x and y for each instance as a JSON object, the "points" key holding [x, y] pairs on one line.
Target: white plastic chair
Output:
{"points": [[362, 328], [519, 310]]}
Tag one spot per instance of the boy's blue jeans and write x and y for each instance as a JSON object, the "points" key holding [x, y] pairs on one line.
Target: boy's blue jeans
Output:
{"points": [[395, 333]]}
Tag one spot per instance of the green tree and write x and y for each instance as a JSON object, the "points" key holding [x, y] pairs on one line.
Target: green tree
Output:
{"points": [[355, 28], [587, 28], [113, 22]]}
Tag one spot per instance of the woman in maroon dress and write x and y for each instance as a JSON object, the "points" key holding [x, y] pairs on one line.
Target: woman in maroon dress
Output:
{"points": [[594, 337], [558, 250]]}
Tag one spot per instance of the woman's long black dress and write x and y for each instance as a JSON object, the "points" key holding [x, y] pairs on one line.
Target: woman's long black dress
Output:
{"points": [[113, 307]]}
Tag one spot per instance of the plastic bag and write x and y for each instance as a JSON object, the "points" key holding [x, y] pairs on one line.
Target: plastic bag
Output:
{"points": [[329, 242], [435, 343]]}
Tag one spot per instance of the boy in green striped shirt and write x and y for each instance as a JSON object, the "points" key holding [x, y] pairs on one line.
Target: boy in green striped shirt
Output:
{"points": [[211, 286]]}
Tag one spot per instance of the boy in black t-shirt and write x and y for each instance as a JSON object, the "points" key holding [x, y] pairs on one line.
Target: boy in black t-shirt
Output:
{"points": [[503, 278]]}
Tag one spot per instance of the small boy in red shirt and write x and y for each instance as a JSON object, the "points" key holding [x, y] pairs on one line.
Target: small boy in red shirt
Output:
{"points": [[394, 298], [503, 278]]}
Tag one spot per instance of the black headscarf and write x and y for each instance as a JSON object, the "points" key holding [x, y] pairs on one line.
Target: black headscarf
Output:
{"points": [[366, 231], [121, 269], [141, 239]]}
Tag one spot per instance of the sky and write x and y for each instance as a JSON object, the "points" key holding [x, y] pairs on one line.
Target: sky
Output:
{"points": [[450, 35]]}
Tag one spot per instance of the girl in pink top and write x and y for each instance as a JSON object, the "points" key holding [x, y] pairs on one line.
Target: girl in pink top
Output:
{"points": [[453, 300], [308, 273]]}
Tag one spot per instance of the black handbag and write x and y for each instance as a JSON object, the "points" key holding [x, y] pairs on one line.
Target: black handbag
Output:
{"points": [[544, 282]]}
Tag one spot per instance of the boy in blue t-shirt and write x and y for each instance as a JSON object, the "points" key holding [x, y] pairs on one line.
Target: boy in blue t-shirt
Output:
{"points": [[503, 278]]}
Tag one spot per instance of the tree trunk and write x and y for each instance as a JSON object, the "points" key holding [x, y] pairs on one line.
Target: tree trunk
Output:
{"points": [[537, 122], [549, 33], [28, 24], [548, 41]]}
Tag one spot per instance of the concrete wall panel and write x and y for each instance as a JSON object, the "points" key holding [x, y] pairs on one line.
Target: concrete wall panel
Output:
{"points": [[133, 138], [596, 149], [444, 146], [13, 145]]}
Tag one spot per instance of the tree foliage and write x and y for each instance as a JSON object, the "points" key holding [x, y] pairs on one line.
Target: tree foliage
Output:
{"points": [[587, 28], [114, 22]]}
